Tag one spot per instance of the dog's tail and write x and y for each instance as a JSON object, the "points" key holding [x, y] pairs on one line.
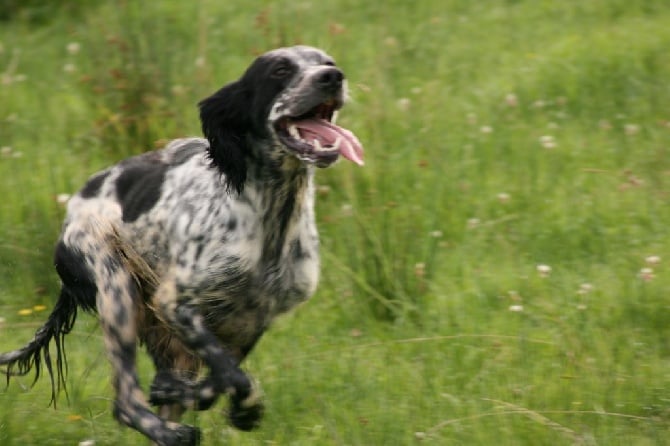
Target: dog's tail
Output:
{"points": [[36, 353]]}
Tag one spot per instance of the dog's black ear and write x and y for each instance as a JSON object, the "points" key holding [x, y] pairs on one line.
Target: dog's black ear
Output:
{"points": [[225, 124]]}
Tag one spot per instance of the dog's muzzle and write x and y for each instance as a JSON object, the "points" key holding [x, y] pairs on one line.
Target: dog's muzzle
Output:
{"points": [[308, 129]]}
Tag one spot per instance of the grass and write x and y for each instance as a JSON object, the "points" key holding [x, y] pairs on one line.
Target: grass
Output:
{"points": [[499, 135]]}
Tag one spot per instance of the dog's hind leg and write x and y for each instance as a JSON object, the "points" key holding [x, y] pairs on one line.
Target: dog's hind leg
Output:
{"points": [[117, 302], [225, 376]]}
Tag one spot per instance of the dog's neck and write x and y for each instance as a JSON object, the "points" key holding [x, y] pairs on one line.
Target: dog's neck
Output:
{"points": [[287, 193]]}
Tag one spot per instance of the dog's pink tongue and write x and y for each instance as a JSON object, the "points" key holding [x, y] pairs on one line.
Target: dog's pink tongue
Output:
{"points": [[327, 134]]}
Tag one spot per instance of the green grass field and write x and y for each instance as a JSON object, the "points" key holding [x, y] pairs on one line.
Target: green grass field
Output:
{"points": [[497, 273]]}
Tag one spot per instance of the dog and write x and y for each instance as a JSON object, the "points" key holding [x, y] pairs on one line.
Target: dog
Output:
{"points": [[194, 249]]}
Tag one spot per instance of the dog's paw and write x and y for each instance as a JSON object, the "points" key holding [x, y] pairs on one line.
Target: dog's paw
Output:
{"points": [[246, 414], [166, 389], [246, 418], [182, 435]]}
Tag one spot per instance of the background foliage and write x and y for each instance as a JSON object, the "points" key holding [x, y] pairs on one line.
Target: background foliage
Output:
{"points": [[495, 274]]}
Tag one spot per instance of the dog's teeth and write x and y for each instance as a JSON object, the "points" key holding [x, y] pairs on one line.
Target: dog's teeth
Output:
{"points": [[293, 131], [338, 141], [317, 145], [334, 118]]}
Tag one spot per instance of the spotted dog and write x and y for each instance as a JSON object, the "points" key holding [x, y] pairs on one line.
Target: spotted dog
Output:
{"points": [[194, 249]]}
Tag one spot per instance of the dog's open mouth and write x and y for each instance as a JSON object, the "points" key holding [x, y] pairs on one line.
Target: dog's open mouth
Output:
{"points": [[315, 138]]}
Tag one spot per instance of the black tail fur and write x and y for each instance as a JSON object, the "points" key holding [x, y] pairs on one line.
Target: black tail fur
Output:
{"points": [[78, 291], [20, 362]]}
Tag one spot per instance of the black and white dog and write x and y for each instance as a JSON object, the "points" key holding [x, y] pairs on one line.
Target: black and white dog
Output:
{"points": [[195, 248]]}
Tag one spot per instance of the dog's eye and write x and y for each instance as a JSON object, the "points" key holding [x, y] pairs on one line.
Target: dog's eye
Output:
{"points": [[329, 63], [281, 71]]}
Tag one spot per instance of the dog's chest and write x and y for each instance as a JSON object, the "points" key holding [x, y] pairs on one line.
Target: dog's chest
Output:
{"points": [[224, 259]]}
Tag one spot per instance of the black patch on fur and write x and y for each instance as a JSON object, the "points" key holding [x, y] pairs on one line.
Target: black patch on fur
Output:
{"points": [[77, 280], [297, 252], [138, 188], [200, 245], [236, 115], [283, 218], [225, 123], [232, 224], [94, 184]]}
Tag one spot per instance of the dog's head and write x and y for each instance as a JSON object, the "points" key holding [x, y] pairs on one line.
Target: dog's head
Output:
{"points": [[286, 101]]}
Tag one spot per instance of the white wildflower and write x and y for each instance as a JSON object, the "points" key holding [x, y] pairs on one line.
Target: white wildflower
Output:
{"points": [[503, 197], [62, 198], [652, 260], [543, 270], [585, 288], [73, 47], [631, 129], [511, 100], [646, 274], [548, 141], [403, 104]]}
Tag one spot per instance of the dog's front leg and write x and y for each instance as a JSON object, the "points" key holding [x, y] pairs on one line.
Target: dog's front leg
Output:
{"points": [[178, 307]]}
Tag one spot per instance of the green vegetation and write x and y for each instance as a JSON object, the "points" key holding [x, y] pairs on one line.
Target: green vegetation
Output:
{"points": [[496, 273]]}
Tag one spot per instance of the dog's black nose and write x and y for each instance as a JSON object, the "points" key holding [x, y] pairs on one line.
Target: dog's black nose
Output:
{"points": [[330, 79]]}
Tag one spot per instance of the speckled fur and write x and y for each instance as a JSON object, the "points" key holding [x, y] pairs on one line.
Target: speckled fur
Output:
{"points": [[193, 250]]}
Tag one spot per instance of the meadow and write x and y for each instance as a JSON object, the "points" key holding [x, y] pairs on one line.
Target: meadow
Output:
{"points": [[497, 273]]}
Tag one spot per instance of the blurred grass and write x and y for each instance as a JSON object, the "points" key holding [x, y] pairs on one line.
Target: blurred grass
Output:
{"points": [[499, 135]]}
